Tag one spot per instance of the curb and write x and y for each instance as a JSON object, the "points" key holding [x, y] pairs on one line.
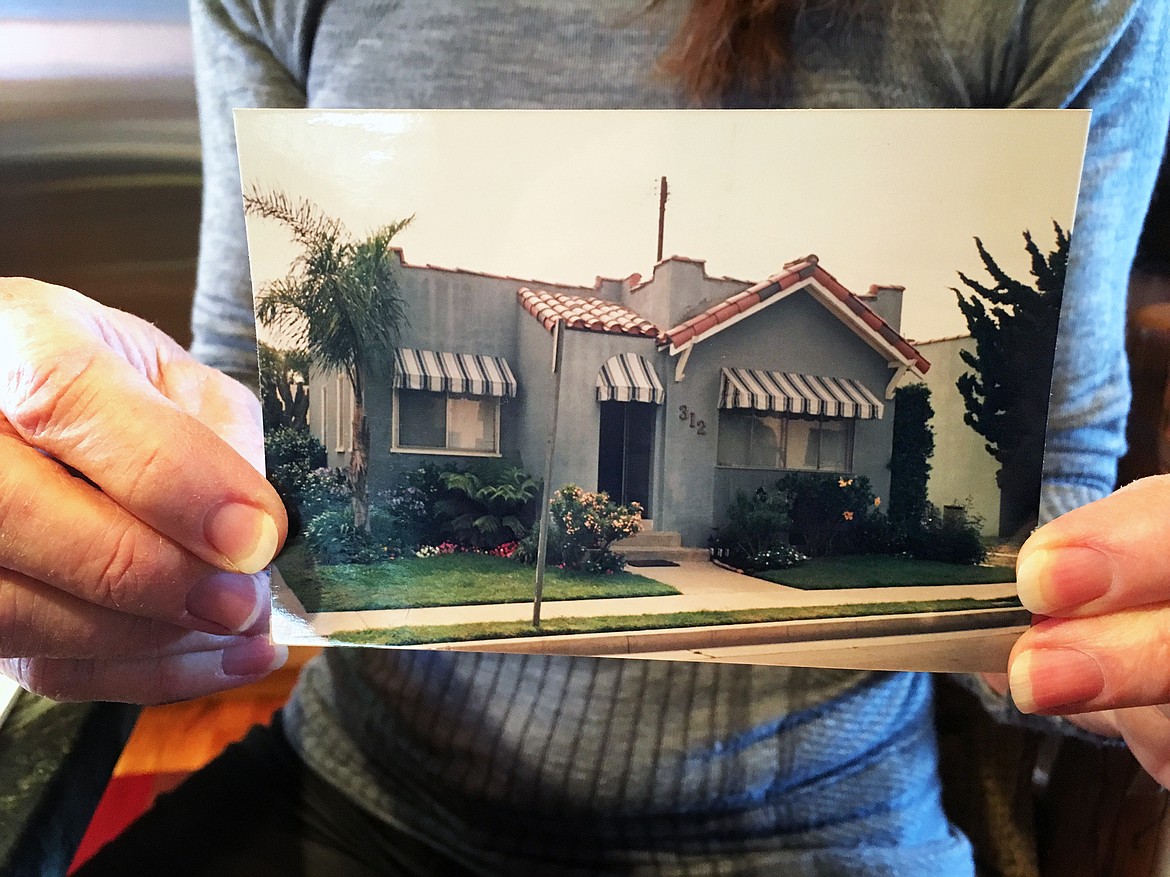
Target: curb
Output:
{"points": [[766, 633]]}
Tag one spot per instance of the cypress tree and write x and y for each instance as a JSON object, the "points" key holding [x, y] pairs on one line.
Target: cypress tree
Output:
{"points": [[1013, 325], [910, 458]]}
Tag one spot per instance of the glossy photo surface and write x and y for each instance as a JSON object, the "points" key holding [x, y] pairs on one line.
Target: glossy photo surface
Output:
{"points": [[778, 380]]}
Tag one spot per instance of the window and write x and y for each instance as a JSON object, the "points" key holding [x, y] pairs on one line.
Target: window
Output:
{"points": [[749, 440], [446, 422]]}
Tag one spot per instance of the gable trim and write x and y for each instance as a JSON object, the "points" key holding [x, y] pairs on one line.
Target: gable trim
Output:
{"points": [[866, 324]]}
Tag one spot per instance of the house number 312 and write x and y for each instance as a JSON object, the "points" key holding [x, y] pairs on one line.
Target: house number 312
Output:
{"points": [[686, 414]]}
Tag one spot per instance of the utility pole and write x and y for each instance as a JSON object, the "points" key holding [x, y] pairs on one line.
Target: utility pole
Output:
{"points": [[663, 194], [546, 493]]}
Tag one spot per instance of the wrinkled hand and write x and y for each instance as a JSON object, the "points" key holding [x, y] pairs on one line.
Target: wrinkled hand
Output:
{"points": [[1098, 579], [134, 518]]}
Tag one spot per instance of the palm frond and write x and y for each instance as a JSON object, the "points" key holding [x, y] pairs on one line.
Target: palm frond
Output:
{"points": [[303, 218]]}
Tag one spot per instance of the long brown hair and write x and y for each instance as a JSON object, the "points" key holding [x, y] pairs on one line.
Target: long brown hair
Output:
{"points": [[721, 42]]}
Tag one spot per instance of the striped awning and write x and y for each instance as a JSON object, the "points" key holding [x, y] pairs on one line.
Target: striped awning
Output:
{"points": [[467, 374], [797, 394], [628, 377]]}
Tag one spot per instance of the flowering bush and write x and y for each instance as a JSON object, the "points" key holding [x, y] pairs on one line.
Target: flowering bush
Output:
{"points": [[582, 526], [506, 550], [437, 550], [322, 490], [827, 509], [783, 557], [414, 505]]}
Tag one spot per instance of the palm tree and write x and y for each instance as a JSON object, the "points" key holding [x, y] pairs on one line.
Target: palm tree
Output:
{"points": [[340, 304], [283, 391]]}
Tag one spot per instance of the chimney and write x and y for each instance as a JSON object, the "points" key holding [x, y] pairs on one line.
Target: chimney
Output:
{"points": [[609, 289], [886, 302]]}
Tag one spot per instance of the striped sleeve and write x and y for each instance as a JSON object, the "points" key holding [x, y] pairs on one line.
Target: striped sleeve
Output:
{"points": [[233, 68]]}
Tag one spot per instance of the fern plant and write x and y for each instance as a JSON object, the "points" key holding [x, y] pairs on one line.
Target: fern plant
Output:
{"points": [[486, 503]]}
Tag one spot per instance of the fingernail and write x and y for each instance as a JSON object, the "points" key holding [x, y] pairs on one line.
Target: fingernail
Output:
{"points": [[1055, 580], [252, 656], [243, 534], [230, 600], [1046, 680]]}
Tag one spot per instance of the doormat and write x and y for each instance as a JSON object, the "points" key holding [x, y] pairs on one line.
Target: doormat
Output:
{"points": [[651, 561]]}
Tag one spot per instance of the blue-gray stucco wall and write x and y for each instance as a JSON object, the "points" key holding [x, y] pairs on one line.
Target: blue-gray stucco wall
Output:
{"points": [[579, 425], [797, 334], [459, 312], [469, 313], [678, 290]]}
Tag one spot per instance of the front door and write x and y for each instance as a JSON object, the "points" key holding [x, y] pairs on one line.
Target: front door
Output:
{"points": [[625, 452]]}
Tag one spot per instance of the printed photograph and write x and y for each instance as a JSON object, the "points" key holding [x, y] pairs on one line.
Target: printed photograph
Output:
{"points": [[759, 386]]}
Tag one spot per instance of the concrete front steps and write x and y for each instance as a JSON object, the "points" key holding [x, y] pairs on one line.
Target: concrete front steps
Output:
{"points": [[658, 544]]}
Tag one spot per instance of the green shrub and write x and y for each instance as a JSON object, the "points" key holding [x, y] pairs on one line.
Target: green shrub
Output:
{"points": [[950, 540], [414, 505], [332, 538], [910, 455], [482, 506], [290, 454], [880, 534], [582, 526], [484, 503], [323, 490], [827, 510], [756, 523]]}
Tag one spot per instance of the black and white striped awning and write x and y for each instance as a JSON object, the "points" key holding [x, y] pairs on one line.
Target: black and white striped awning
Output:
{"points": [[628, 377], [788, 393], [466, 374]]}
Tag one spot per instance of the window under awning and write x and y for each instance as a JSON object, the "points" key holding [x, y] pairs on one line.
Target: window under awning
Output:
{"points": [[787, 393], [628, 377], [467, 374]]}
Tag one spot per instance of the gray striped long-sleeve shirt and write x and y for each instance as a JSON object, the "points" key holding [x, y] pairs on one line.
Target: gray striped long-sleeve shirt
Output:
{"points": [[652, 767]]}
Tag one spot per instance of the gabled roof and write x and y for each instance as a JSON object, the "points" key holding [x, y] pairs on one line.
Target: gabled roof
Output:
{"points": [[808, 273], [579, 312]]}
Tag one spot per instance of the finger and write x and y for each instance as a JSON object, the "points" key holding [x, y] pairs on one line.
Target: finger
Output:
{"points": [[1147, 732], [152, 679], [1105, 556], [97, 405], [106, 556], [1086, 664], [36, 619], [230, 409]]}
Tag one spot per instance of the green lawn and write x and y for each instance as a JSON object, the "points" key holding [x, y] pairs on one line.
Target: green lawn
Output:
{"points": [[446, 580], [443, 633], [877, 571]]}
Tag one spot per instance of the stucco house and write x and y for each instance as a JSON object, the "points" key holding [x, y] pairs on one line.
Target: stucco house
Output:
{"points": [[676, 391], [962, 472]]}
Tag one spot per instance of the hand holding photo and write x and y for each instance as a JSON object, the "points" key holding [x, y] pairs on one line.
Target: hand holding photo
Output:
{"points": [[765, 387]]}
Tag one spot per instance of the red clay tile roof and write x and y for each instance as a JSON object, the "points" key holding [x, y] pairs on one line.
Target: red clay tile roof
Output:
{"points": [[593, 314], [802, 269]]}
